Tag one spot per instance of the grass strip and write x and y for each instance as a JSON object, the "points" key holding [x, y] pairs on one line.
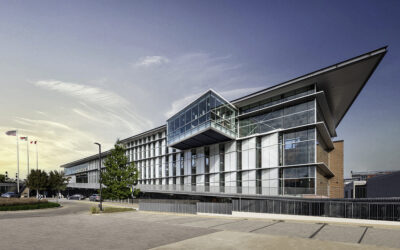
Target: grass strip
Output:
{"points": [[96, 210]]}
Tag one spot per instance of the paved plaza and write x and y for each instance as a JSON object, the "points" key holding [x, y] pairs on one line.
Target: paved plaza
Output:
{"points": [[72, 227]]}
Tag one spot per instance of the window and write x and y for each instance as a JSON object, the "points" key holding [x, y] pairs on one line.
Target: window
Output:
{"points": [[200, 115], [167, 166], [207, 159], [239, 181], [258, 182], [299, 147], [207, 182], [222, 182], [292, 116], [222, 157], [239, 155], [193, 165], [174, 165], [82, 178], [298, 180], [182, 164]]}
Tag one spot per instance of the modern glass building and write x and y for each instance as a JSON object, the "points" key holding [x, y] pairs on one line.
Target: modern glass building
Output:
{"points": [[277, 141]]}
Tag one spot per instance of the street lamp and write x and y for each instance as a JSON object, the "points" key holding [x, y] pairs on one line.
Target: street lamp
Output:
{"points": [[101, 198]]}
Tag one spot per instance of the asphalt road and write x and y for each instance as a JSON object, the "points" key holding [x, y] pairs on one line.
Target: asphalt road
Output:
{"points": [[68, 207]]}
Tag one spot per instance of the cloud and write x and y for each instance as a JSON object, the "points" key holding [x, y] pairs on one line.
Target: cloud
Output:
{"points": [[43, 123], [110, 109], [233, 94], [152, 60], [130, 101], [187, 76], [177, 105], [85, 93], [229, 95]]}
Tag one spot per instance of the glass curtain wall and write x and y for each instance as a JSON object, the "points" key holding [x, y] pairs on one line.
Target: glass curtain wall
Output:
{"points": [[298, 180], [278, 99], [288, 117], [299, 147], [222, 167], [210, 110]]}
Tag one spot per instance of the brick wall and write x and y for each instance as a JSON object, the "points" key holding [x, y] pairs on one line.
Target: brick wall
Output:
{"points": [[334, 160]]}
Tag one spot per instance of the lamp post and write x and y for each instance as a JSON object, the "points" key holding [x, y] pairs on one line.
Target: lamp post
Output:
{"points": [[101, 198]]}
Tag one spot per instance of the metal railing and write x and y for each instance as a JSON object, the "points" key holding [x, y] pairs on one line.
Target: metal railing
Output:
{"points": [[258, 191], [172, 206], [128, 201], [371, 209], [214, 207], [84, 185]]}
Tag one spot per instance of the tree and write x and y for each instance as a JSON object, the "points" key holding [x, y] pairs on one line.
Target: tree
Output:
{"points": [[119, 174], [2, 178], [57, 181], [37, 180]]}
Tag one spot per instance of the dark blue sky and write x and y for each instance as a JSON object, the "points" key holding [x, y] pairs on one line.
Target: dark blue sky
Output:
{"points": [[231, 46]]}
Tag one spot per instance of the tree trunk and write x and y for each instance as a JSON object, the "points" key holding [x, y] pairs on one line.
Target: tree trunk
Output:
{"points": [[37, 193]]}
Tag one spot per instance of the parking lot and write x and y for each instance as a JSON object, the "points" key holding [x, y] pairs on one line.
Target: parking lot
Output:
{"points": [[363, 235], [72, 227]]}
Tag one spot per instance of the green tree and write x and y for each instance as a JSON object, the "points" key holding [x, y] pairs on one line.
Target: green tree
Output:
{"points": [[119, 174], [57, 181], [2, 178], [37, 180]]}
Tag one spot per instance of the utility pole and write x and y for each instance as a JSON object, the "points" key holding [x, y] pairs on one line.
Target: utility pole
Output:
{"points": [[101, 197], [17, 162]]}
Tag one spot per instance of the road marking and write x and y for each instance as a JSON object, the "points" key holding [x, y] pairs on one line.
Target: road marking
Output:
{"points": [[318, 230], [226, 223], [279, 221], [362, 236]]}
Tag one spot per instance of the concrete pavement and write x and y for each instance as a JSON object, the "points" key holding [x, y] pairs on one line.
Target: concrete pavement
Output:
{"points": [[377, 236], [72, 227], [239, 240]]}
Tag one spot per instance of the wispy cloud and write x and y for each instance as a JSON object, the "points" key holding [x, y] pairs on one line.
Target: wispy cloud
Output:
{"points": [[177, 105], [188, 76], [43, 123], [131, 101], [86, 93], [152, 60]]}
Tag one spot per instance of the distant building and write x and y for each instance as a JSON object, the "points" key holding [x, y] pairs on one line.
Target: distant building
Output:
{"points": [[277, 141], [387, 185], [355, 189], [365, 175], [363, 184]]}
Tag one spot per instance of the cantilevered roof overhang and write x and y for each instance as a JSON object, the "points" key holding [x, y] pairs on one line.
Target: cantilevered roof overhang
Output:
{"points": [[341, 84]]}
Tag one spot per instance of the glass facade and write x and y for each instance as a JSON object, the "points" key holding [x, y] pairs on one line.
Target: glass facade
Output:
{"points": [[278, 99], [269, 153], [298, 147], [209, 110], [288, 117], [297, 180]]}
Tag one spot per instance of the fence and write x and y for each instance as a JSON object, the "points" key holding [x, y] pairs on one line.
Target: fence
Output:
{"points": [[173, 206], [129, 201], [214, 207], [372, 209]]}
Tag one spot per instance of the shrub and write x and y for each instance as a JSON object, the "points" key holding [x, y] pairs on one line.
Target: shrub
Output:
{"points": [[38, 205], [18, 201], [94, 210]]}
